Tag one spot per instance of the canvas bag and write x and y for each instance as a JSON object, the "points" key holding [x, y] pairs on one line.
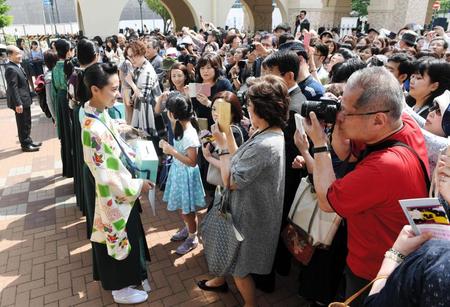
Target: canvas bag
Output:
{"points": [[305, 213]]}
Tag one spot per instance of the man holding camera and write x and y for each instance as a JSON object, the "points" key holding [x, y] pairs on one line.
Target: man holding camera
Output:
{"points": [[370, 117]]}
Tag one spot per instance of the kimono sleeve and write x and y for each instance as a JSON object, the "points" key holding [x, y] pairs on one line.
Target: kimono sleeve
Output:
{"points": [[113, 180]]}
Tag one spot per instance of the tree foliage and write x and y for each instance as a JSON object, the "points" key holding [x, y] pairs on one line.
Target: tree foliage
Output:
{"points": [[5, 20], [445, 7], [360, 6], [158, 8]]}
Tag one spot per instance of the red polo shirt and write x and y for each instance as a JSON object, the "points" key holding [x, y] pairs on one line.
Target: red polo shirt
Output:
{"points": [[368, 198]]}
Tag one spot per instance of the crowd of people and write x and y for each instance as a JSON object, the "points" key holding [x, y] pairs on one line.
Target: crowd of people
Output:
{"points": [[388, 136]]}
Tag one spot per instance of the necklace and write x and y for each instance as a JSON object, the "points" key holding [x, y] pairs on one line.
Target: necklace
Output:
{"points": [[260, 132]]}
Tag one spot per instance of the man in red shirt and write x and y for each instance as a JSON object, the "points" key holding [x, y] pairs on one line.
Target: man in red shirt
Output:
{"points": [[368, 196]]}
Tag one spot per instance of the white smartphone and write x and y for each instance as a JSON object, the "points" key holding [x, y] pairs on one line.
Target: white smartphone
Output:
{"points": [[299, 123]]}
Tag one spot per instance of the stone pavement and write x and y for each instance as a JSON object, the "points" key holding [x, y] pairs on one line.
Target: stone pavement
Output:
{"points": [[45, 257]]}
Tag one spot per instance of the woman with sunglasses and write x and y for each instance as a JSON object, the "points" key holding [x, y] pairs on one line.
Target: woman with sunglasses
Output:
{"points": [[436, 127]]}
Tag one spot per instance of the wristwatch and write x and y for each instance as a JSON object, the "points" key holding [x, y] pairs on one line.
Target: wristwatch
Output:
{"points": [[320, 149]]}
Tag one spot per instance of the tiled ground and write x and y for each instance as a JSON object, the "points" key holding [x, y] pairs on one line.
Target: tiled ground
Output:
{"points": [[45, 257]]}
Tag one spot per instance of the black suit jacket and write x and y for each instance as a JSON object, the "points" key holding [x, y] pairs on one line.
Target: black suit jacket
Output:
{"points": [[304, 24], [17, 90]]}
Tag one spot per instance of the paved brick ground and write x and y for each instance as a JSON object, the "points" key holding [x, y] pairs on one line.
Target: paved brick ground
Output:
{"points": [[45, 257]]}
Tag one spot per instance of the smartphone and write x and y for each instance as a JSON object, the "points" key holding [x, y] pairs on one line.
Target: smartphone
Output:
{"points": [[306, 39], [223, 109], [242, 64], [299, 123]]}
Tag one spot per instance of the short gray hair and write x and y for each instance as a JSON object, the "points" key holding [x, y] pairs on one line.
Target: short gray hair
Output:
{"points": [[380, 90], [154, 43]]}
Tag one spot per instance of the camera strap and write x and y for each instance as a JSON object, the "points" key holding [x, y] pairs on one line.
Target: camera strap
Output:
{"points": [[392, 143]]}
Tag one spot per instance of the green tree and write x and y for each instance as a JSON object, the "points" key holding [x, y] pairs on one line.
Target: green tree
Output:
{"points": [[158, 8], [5, 20], [445, 7], [360, 6]]}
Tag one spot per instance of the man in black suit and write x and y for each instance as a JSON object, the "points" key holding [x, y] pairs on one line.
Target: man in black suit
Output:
{"points": [[301, 22], [19, 97]]}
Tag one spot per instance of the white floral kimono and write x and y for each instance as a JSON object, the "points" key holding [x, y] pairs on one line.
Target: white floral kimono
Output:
{"points": [[116, 189]]}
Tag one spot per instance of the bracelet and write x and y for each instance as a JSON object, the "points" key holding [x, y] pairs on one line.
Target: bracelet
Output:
{"points": [[320, 149], [222, 152], [395, 255]]}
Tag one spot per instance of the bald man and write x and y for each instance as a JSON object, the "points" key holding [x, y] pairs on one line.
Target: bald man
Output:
{"points": [[19, 97]]}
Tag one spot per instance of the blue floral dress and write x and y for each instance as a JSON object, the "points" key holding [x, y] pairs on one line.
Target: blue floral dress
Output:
{"points": [[184, 188]]}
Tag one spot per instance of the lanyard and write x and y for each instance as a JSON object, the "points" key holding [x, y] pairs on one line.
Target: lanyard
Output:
{"points": [[130, 163]]}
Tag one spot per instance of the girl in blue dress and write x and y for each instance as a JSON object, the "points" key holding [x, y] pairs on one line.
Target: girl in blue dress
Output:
{"points": [[184, 188]]}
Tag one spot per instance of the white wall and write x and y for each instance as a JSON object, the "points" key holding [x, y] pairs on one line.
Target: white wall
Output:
{"points": [[101, 17]]}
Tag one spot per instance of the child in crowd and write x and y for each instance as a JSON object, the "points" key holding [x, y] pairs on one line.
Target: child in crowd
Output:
{"points": [[184, 189]]}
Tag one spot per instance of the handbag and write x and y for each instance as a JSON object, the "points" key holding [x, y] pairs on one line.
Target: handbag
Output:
{"points": [[213, 175], [221, 239], [354, 296], [308, 226]]}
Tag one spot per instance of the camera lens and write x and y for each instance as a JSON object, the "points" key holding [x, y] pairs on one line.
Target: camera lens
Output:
{"points": [[326, 110]]}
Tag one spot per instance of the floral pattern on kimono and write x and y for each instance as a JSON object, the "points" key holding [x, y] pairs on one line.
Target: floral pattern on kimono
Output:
{"points": [[116, 189]]}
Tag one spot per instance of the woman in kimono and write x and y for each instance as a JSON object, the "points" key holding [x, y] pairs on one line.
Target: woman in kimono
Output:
{"points": [[61, 106], [119, 246]]}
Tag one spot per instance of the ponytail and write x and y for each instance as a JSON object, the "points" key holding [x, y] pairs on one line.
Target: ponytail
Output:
{"points": [[82, 93], [179, 131]]}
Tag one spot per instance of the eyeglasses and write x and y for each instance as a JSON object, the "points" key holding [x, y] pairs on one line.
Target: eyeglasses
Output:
{"points": [[435, 107], [363, 114]]}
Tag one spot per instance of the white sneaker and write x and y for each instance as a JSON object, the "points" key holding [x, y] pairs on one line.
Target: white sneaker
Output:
{"points": [[146, 286], [129, 295]]}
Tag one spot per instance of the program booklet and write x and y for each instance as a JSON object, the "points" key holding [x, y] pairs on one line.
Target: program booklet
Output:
{"points": [[427, 215]]}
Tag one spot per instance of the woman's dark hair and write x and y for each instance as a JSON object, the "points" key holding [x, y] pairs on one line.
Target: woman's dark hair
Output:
{"points": [[270, 99], [98, 75], [346, 54], [426, 53], [214, 46], [87, 52], [181, 107], [185, 71], [99, 40], [342, 71], [231, 98], [113, 44], [230, 39], [244, 52], [19, 42], [335, 47], [69, 66], [438, 71], [50, 59], [62, 46], [211, 59]]}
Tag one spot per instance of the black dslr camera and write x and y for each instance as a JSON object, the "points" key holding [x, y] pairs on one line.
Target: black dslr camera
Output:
{"points": [[325, 109], [181, 47]]}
